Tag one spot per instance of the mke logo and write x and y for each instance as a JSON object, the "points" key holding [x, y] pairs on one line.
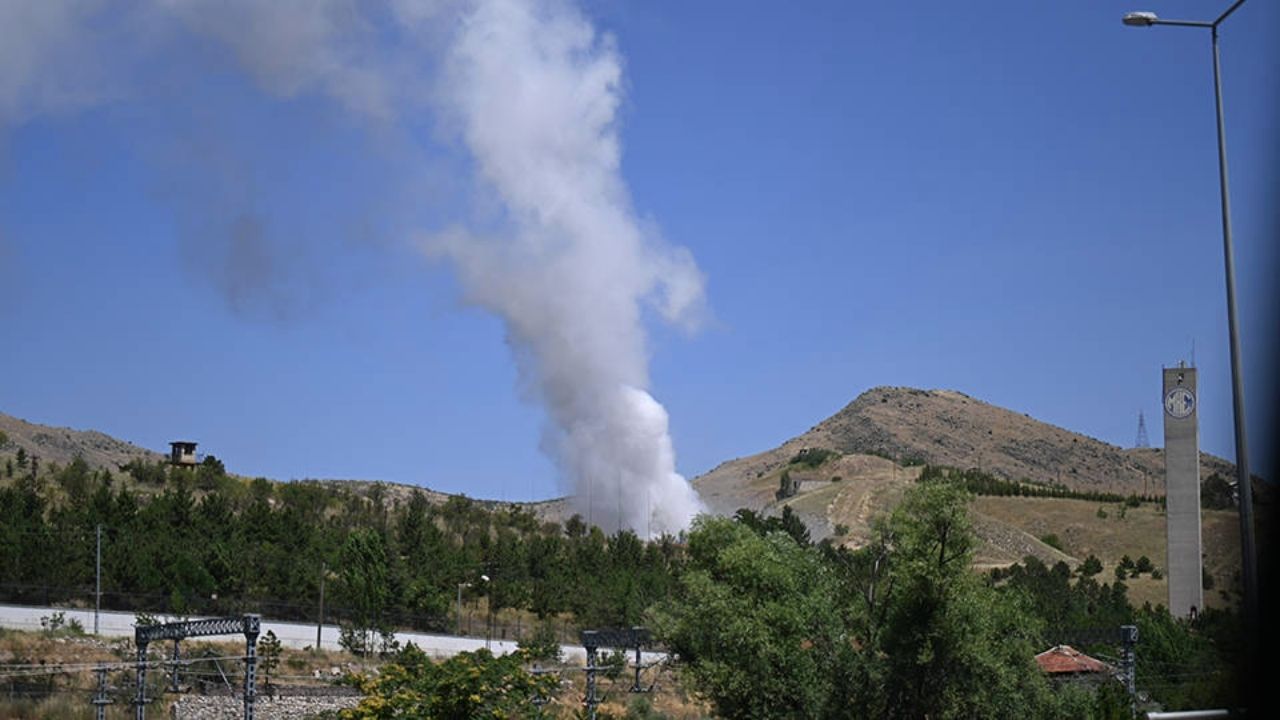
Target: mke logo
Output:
{"points": [[1180, 402]]}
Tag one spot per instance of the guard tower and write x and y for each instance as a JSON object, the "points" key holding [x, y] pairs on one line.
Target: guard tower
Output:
{"points": [[182, 453], [1182, 489]]}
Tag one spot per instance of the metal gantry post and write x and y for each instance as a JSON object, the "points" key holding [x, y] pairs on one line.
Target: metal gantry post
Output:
{"points": [[540, 698], [591, 701], [140, 700], [100, 700], [173, 676], [252, 625], [1128, 662], [590, 644], [635, 687]]}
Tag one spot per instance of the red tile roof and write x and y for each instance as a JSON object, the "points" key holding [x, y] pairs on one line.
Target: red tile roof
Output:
{"points": [[1065, 660]]}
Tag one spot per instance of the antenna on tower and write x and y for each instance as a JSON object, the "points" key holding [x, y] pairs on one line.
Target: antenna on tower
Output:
{"points": [[1142, 441]]}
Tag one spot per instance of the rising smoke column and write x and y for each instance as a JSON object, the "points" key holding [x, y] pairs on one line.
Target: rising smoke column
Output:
{"points": [[533, 92]]}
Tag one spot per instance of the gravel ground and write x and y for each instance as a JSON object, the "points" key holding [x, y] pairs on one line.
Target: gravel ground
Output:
{"points": [[214, 707]]}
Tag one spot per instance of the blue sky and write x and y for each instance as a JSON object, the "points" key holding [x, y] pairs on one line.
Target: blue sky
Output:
{"points": [[1014, 200]]}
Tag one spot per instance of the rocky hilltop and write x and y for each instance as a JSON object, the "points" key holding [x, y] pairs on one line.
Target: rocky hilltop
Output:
{"points": [[906, 427], [62, 445]]}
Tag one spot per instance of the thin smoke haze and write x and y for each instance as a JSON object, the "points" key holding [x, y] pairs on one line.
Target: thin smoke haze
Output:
{"points": [[527, 92]]}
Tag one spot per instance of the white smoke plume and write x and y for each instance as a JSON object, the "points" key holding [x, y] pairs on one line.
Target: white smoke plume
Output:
{"points": [[531, 92], [535, 91]]}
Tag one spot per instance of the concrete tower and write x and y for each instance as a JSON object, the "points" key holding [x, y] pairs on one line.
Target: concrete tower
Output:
{"points": [[1182, 489]]}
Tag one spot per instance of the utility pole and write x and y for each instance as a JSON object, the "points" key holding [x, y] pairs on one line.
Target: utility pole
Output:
{"points": [[460, 586], [97, 591], [324, 570]]}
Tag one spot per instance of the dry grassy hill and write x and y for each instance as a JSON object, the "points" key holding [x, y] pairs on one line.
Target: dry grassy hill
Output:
{"points": [[60, 445], [944, 427], [883, 437]]}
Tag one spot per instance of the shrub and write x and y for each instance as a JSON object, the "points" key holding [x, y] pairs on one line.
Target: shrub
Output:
{"points": [[57, 625], [1091, 566], [468, 685], [1216, 493], [542, 644], [812, 457]]}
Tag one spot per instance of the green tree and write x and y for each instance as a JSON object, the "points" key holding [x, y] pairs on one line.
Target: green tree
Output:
{"points": [[75, 479], [1091, 566], [211, 473], [1187, 665], [754, 622], [949, 645], [902, 628], [268, 656], [364, 588]]}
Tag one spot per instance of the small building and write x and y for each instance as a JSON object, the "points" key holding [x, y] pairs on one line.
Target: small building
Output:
{"points": [[183, 453], [1064, 661]]}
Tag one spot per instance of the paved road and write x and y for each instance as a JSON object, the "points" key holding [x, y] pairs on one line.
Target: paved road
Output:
{"points": [[294, 635]]}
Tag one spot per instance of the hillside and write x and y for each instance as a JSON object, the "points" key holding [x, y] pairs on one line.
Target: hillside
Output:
{"points": [[61, 445], [944, 427], [880, 441]]}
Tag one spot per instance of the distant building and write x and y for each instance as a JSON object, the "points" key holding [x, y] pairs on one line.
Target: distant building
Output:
{"points": [[1064, 661], [182, 453]]}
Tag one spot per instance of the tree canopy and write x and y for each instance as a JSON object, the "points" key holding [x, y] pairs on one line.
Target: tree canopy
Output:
{"points": [[772, 627]]}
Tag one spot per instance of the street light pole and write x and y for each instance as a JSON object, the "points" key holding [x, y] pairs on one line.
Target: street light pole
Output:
{"points": [[460, 586], [97, 582], [1244, 486]]}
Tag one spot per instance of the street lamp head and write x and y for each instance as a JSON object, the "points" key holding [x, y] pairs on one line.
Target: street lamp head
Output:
{"points": [[484, 578], [1140, 19]]}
